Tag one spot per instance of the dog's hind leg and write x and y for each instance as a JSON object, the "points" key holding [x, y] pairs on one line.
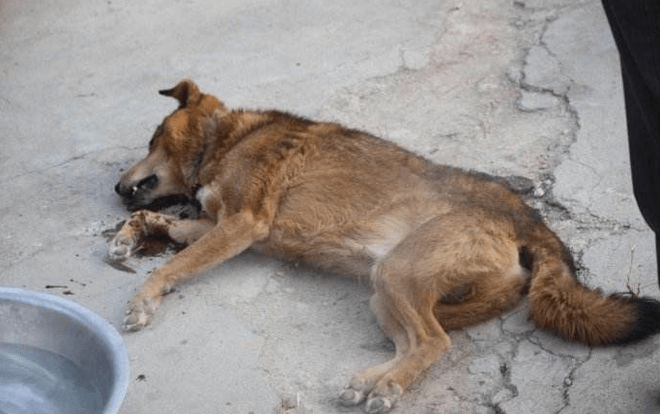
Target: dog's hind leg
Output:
{"points": [[148, 223], [453, 256], [361, 384], [424, 342], [405, 296], [494, 295]]}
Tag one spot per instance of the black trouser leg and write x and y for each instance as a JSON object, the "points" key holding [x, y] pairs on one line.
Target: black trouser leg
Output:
{"points": [[635, 26]]}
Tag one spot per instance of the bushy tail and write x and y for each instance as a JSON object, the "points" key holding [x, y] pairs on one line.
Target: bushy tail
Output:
{"points": [[562, 305]]}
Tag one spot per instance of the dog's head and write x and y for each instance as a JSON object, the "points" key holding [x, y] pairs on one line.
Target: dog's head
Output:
{"points": [[175, 150]]}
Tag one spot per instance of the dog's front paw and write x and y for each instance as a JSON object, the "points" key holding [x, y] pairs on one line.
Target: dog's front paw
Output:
{"points": [[121, 248], [139, 315]]}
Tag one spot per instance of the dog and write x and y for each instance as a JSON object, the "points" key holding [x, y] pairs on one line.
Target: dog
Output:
{"points": [[443, 248]]}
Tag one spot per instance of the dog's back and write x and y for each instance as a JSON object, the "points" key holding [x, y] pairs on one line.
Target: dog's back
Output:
{"points": [[345, 199]]}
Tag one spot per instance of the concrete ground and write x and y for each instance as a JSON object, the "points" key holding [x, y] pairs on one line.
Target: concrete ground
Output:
{"points": [[525, 87]]}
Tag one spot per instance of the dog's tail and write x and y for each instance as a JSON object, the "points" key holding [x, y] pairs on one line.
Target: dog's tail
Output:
{"points": [[561, 304]]}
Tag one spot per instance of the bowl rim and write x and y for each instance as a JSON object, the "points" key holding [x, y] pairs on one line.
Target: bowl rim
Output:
{"points": [[104, 329]]}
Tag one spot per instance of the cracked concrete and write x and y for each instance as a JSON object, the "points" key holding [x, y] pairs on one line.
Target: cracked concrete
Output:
{"points": [[525, 87]]}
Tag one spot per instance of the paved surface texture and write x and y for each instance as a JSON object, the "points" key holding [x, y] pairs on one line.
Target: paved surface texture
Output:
{"points": [[524, 87]]}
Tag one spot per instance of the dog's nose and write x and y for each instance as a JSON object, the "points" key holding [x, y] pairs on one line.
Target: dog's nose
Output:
{"points": [[122, 190], [130, 191]]}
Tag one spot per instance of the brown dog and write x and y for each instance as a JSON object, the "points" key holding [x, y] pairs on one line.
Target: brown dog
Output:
{"points": [[444, 248]]}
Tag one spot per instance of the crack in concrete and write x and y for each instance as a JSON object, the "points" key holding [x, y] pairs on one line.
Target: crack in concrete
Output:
{"points": [[542, 79], [574, 362], [569, 380], [507, 382]]}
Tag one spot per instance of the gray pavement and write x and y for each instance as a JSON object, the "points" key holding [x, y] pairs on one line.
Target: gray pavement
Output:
{"points": [[525, 87]]}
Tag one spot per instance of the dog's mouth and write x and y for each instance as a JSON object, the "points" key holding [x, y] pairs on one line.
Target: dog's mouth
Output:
{"points": [[161, 203], [140, 196], [177, 204]]}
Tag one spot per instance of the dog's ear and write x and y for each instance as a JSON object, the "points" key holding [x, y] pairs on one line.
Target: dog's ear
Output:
{"points": [[186, 92]]}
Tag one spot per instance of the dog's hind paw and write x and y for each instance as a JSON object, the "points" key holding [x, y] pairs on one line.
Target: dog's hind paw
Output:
{"points": [[379, 405], [351, 397], [382, 400]]}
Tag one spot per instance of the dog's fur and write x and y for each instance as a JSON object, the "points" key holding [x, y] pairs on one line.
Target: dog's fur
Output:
{"points": [[443, 248]]}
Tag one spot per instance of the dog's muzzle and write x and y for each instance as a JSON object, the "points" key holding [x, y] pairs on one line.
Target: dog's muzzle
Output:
{"points": [[132, 191]]}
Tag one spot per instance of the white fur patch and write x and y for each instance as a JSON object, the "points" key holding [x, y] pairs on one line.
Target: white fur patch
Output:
{"points": [[387, 234], [203, 195]]}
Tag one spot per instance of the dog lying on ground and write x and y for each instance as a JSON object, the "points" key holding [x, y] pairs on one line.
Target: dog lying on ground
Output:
{"points": [[442, 247]]}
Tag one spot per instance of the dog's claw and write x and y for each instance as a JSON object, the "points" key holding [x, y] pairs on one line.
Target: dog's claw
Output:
{"points": [[382, 401], [119, 253], [137, 317], [120, 249], [134, 323], [379, 405], [351, 397]]}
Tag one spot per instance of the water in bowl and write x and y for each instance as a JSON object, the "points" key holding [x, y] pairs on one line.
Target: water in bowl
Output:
{"points": [[34, 381]]}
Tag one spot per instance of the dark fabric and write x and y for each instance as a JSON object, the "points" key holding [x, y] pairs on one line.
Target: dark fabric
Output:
{"points": [[635, 25]]}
